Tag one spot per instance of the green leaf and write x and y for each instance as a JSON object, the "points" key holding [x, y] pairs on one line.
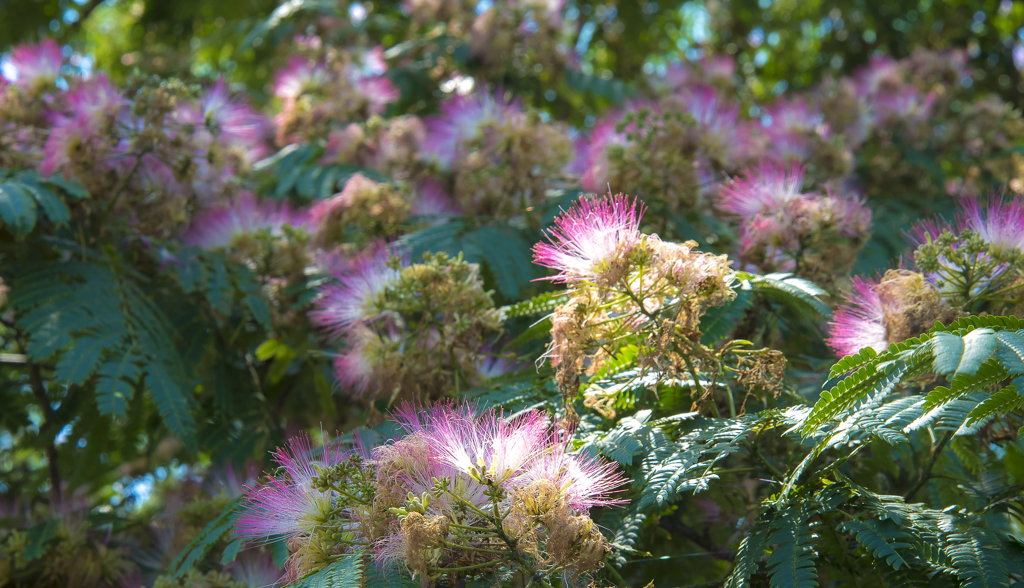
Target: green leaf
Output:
{"points": [[260, 310], [77, 364], [231, 551], [173, 405], [750, 553], [394, 577], [344, 573], [53, 207], [800, 294], [37, 537], [719, 321], [545, 302], [197, 549], [1002, 402], [880, 538], [71, 188], [17, 209], [962, 354], [1010, 351], [792, 563]]}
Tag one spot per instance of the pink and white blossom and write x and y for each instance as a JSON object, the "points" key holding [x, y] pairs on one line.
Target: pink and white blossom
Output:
{"points": [[347, 300], [219, 227], [860, 321], [762, 189], [587, 236]]}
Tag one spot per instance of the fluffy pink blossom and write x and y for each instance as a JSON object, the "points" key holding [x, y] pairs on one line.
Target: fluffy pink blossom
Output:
{"points": [[461, 119], [345, 302], [35, 65], [595, 154], [298, 76], [431, 200], [762, 189], [591, 233], [859, 321], [907, 104], [91, 108], [586, 481], [999, 221], [220, 226], [233, 120], [792, 124], [725, 136], [286, 504], [379, 91]]}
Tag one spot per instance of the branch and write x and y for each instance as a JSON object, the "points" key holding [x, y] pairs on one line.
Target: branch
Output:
{"points": [[926, 473], [36, 380], [674, 525]]}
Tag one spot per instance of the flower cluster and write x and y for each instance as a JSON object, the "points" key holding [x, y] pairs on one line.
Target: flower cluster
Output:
{"points": [[784, 228], [463, 492], [151, 153], [625, 284], [975, 263], [527, 38], [499, 158], [413, 330], [319, 85]]}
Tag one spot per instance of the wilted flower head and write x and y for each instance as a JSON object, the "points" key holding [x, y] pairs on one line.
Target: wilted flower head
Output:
{"points": [[34, 65], [286, 504], [589, 238], [219, 227]]}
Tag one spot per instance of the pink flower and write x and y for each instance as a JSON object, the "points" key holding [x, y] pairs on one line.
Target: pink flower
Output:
{"points": [[379, 91], [792, 124], [725, 137], [432, 201], [298, 76], [92, 107], [907, 104], [461, 119], [762, 189], [354, 186], [35, 65], [219, 227], [232, 120], [590, 234], [1000, 222], [595, 174], [586, 480], [859, 321], [347, 301], [357, 368], [286, 504]]}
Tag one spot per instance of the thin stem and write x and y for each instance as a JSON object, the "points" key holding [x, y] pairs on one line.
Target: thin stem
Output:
{"points": [[39, 390], [470, 548], [760, 459], [926, 473], [472, 567]]}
